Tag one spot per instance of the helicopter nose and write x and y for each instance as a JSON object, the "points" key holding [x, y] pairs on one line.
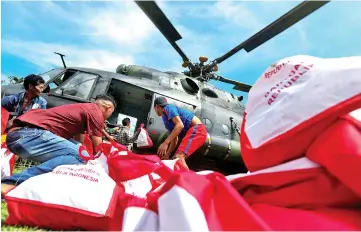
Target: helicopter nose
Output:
{"points": [[203, 59]]}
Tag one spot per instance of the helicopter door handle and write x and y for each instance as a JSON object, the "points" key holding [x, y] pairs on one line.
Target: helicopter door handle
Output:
{"points": [[151, 120]]}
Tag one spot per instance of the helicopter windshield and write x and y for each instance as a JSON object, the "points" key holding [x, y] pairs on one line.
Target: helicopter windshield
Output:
{"points": [[50, 74]]}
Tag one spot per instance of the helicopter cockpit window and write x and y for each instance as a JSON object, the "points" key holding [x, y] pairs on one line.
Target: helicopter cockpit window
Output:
{"points": [[79, 85]]}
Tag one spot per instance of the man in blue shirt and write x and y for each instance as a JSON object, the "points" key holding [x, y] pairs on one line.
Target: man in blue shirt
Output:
{"points": [[180, 123], [30, 99]]}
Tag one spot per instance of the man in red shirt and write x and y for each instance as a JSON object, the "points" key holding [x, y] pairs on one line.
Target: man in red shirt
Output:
{"points": [[46, 136]]}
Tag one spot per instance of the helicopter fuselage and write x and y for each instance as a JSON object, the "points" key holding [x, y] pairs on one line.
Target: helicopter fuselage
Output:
{"points": [[135, 89]]}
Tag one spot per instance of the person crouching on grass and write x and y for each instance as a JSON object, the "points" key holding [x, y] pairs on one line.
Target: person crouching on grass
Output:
{"points": [[46, 136], [183, 124]]}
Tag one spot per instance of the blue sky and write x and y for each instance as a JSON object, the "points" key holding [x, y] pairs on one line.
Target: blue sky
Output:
{"points": [[106, 34]]}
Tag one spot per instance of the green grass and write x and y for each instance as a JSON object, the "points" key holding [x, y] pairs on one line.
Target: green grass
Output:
{"points": [[4, 215]]}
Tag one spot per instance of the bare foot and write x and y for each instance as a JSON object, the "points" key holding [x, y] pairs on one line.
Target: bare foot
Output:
{"points": [[6, 188]]}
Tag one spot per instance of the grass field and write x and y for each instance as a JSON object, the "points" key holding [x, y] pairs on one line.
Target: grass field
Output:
{"points": [[4, 215]]}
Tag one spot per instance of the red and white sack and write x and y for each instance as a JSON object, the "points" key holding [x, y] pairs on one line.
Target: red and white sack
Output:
{"points": [[7, 161], [138, 174], [203, 201], [338, 150], [292, 102], [299, 195], [72, 197], [143, 140]]}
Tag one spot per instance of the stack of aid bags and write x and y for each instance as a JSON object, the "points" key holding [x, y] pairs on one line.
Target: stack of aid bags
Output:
{"points": [[301, 141]]}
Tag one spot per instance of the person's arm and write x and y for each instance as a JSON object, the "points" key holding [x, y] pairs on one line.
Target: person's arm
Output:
{"points": [[96, 141], [80, 138], [95, 128], [171, 146], [178, 127], [9, 102], [43, 104], [107, 135]]}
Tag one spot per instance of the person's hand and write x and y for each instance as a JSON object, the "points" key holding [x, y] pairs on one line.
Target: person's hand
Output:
{"points": [[162, 150], [111, 138]]}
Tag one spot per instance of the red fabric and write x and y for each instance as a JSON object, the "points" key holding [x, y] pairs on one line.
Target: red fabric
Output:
{"points": [[131, 166], [119, 146], [292, 144], [338, 149], [324, 219], [67, 120], [4, 119], [309, 188], [193, 140]]}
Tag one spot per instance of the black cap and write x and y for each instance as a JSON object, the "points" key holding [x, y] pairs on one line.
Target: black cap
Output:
{"points": [[161, 101]]}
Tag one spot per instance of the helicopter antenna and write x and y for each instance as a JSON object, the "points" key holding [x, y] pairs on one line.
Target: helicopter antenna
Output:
{"points": [[62, 59], [235, 126]]}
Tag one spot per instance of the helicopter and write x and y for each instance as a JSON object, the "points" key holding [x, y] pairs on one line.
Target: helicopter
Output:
{"points": [[135, 87]]}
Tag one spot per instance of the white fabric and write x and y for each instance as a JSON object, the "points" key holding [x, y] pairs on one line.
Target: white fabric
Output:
{"points": [[143, 138], [6, 157], [281, 98], [85, 187]]}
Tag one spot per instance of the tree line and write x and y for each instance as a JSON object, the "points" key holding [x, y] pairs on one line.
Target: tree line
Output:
{"points": [[13, 80]]}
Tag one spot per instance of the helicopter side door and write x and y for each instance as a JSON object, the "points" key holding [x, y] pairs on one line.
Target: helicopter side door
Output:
{"points": [[155, 126]]}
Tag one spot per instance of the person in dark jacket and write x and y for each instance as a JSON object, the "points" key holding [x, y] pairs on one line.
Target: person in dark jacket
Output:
{"points": [[27, 100]]}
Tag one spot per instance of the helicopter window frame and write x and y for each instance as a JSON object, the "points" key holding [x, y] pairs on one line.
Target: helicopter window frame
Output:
{"points": [[62, 73], [49, 79], [96, 83], [87, 99]]}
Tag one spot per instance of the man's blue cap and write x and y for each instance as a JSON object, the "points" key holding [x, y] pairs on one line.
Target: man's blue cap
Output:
{"points": [[161, 101]]}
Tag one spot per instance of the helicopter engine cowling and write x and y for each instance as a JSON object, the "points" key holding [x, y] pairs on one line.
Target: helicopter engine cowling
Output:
{"points": [[139, 71]]}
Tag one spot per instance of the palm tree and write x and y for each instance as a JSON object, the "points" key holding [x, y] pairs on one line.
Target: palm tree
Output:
{"points": [[16, 80]]}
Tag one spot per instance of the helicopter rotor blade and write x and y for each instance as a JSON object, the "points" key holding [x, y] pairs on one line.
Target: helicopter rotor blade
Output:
{"points": [[284, 22], [242, 87], [160, 20], [237, 85]]}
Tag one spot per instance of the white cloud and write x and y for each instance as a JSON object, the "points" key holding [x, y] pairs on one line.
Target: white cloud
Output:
{"points": [[238, 13], [120, 23], [42, 55]]}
